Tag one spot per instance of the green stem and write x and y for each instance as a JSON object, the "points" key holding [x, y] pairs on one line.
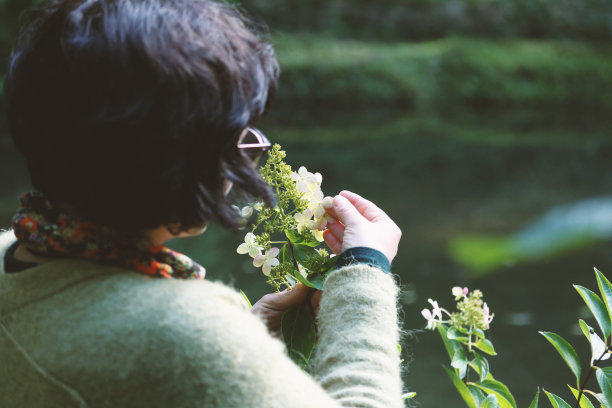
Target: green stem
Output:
{"points": [[586, 379], [295, 263], [467, 369]]}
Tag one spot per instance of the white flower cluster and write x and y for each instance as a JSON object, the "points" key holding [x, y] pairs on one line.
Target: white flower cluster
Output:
{"points": [[266, 261], [314, 218], [434, 316]]}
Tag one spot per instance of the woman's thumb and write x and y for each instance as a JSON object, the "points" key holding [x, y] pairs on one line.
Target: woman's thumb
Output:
{"points": [[345, 211]]}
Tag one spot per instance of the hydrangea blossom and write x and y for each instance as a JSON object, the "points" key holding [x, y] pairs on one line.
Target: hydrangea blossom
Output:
{"points": [[267, 261], [431, 320], [303, 219], [306, 182], [487, 316], [250, 246], [296, 224], [459, 292], [244, 212], [433, 316]]}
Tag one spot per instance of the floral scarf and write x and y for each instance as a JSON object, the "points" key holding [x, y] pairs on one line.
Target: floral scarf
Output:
{"points": [[50, 231]]}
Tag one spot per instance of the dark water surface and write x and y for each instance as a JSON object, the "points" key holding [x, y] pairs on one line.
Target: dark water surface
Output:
{"points": [[440, 177]]}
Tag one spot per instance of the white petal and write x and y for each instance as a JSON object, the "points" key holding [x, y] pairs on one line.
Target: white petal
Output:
{"points": [[272, 253], [243, 248], [266, 269], [254, 251], [302, 186], [249, 238], [427, 314], [258, 261], [319, 212], [321, 223], [246, 211], [311, 225], [328, 202], [318, 235], [318, 178]]}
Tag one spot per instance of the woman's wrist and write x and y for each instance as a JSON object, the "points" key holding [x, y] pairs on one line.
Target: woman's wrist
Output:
{"points": [[363, 255]]}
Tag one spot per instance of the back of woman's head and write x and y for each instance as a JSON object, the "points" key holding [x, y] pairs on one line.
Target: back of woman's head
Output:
{"points": [[130, 110]]}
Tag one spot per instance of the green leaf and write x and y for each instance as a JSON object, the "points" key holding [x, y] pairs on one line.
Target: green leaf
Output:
{"points": [[566, 351], [481, 365], [455, 334], [298, 331], [248, 302], [302, 279], [598, 308], [486, 346], [504, 397], [460, 362], [451, 346], [605, 288], [536, 400], [490, 402], [317, 281], [598, 347], [329, 264], [556, 401], [303, 252], [479, 333], [585, 328], [584, 400], [604, 378], [462, 388], [599, 397], [297, 238], [477, 393]]}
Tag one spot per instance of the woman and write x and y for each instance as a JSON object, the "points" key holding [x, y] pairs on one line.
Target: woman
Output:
{"points": [[134, 118]]}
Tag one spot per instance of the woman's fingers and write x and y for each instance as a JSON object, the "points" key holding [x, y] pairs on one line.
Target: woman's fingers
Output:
{"points": [[365, 207], [337, 229], [315, 300], [332, 242], [286, 299], [360, 223]]}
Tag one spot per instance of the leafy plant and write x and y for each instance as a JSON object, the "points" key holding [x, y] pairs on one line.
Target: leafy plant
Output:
{"points": [[285, 242], [463, 335]]}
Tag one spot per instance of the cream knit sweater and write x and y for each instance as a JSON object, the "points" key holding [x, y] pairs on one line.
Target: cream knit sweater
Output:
{"points": [[77, 334]]}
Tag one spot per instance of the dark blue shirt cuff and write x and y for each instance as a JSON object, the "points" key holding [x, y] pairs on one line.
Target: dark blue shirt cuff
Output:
{"points": [[363, 255]]}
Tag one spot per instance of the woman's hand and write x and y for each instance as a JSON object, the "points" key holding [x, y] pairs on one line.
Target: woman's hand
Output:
{"points": [[271, 307], [357, 222]]}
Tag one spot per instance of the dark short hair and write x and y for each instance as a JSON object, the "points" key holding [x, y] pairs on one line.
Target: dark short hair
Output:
{"points": [[130, 110]]}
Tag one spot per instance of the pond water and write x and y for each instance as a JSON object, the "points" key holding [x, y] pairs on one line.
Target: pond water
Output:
{"points": [[440, 177]]}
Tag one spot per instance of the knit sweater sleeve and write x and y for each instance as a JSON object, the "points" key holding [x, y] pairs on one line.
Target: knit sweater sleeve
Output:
{"points": [[356, 362]]}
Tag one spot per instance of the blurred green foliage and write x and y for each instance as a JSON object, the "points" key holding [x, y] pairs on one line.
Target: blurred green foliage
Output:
{"points": [[477, 52], [402, 20], [438, 74]]}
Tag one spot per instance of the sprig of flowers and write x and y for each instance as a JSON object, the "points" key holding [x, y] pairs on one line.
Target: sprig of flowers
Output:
{"points": [[290, 232], [463, 333], [472, 312]]}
